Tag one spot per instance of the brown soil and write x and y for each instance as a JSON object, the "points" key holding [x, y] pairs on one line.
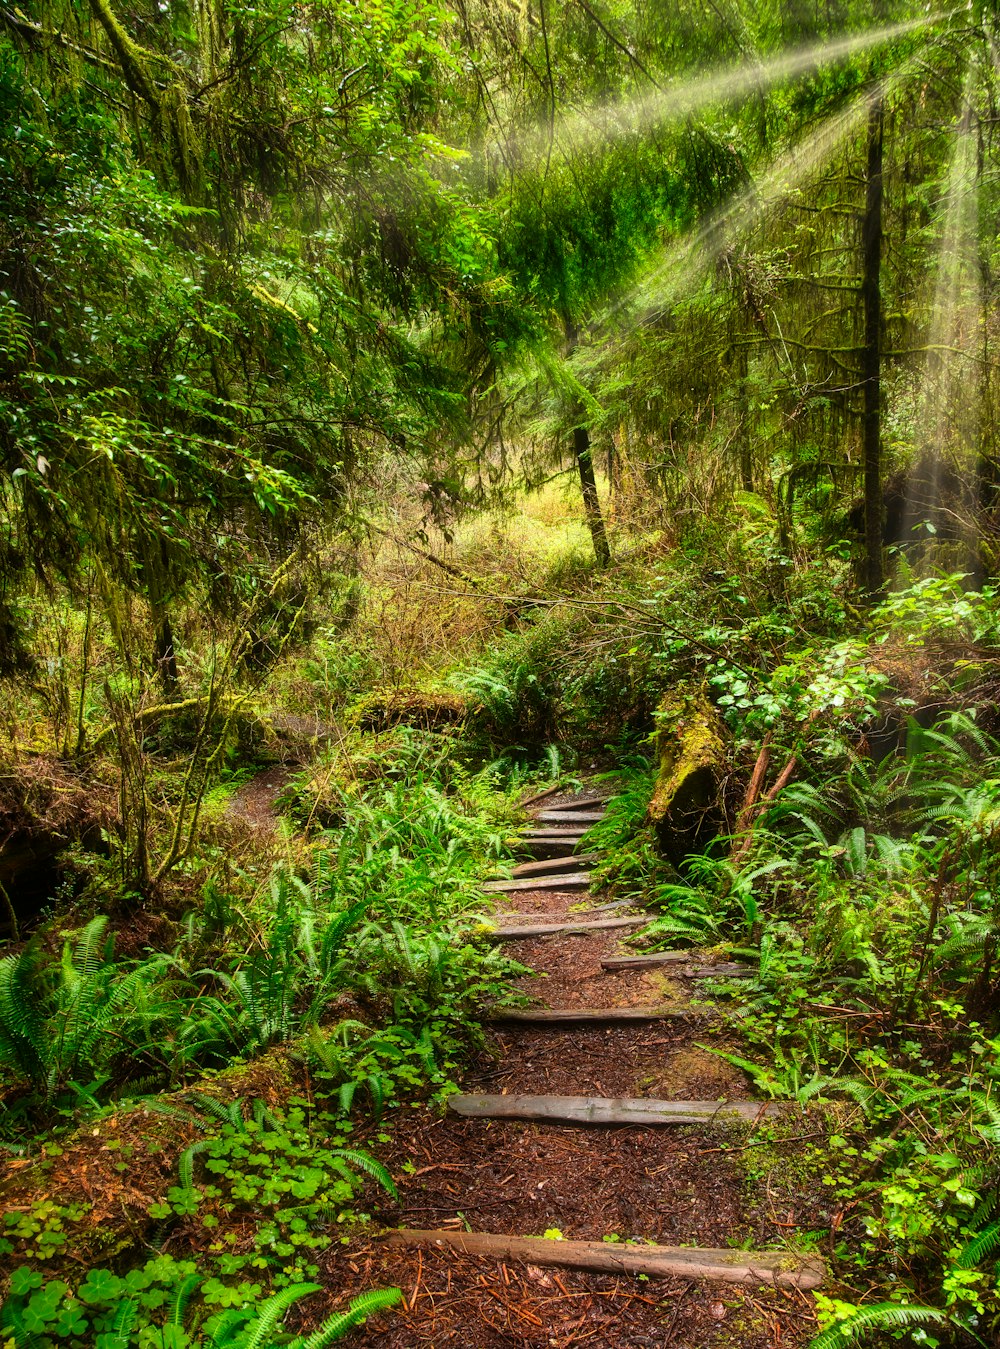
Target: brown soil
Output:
{"points": [[671, 1185], [254, 802], [524, 1179]]}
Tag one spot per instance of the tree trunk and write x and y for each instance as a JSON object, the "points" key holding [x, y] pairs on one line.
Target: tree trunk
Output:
{"points": [[164, 656], [743, 412], [588, 486], [585, 465], [871, 238]]}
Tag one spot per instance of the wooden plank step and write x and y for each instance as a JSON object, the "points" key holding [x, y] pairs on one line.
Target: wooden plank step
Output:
{"points": [[681, 966], [628, 1110], [553, 848], [782, 1269], [574, 1016], [550, 832], [540, 796], [565, 925], [638, 962], [527, 918], [569, 817], [555, 864], [581, 803], [571, 880]]}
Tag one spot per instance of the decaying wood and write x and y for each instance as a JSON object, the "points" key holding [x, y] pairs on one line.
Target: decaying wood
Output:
{"points": [[610, 1110], [567, 926], [779, 1268], [573, 880], [571, 1016]]}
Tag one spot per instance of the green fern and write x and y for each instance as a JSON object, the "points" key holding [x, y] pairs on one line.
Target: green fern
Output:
{"points": [[882, 1316], [337, 1325], [368, 1164], [980, 1247]]}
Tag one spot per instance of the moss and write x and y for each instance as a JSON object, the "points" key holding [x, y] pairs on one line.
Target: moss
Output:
{"points": [[685, 806]]}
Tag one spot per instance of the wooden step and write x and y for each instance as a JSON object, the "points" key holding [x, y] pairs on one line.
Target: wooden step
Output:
{"points": [[554, 835], [553, 849], [586, 1016], [782, 1269], [640, 962], [627, 1110], [571, 880], [678, 969], [584, 861], [521, 932], [558, 817], [527, 918], [595, 803]]}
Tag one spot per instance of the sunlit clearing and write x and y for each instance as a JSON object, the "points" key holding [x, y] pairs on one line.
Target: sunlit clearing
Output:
{"points": [[601, 124]]}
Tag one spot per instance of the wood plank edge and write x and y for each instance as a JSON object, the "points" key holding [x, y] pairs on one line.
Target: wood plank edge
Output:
{"points": [[602, 1111], [778, 1268]]}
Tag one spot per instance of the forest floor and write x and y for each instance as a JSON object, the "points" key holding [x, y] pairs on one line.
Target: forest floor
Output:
{"points": [[671, 1185]]}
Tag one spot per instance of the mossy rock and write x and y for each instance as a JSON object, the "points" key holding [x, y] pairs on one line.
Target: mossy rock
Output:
{"points": [[686, 807]]}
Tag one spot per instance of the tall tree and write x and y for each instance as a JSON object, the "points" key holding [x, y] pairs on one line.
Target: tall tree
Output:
{"points": [[871, 356]]}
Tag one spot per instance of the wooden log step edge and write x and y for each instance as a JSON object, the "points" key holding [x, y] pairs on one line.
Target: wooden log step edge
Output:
{"points": [[611, 1110], [580, 861], [782, 1269], [573, 880], [566, 925], [692, 958], [574, 1016], [560, 817], [580, 803], [552, 834]]}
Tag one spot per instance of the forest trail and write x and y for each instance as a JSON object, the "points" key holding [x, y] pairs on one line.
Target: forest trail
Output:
{"points": [[595, 1132]]}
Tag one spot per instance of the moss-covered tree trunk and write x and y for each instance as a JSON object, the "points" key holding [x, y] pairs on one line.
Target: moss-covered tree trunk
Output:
{"points": [[871, 239]]}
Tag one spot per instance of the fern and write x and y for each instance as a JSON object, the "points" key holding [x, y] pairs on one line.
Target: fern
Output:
{"points": [[882, 1316], [980, 1247], [371, 1168], [337, 1325], [272, 1311], [181, 1298]]}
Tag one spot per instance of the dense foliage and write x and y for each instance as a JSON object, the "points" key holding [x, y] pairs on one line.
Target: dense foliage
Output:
{"points": [[305, 312]]}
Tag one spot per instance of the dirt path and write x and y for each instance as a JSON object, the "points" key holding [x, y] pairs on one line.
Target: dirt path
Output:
{"points": [[674, 1186]]}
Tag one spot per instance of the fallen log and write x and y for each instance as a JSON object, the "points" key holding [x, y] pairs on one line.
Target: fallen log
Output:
{"points": [[628, 1110], [779, 1268]]}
